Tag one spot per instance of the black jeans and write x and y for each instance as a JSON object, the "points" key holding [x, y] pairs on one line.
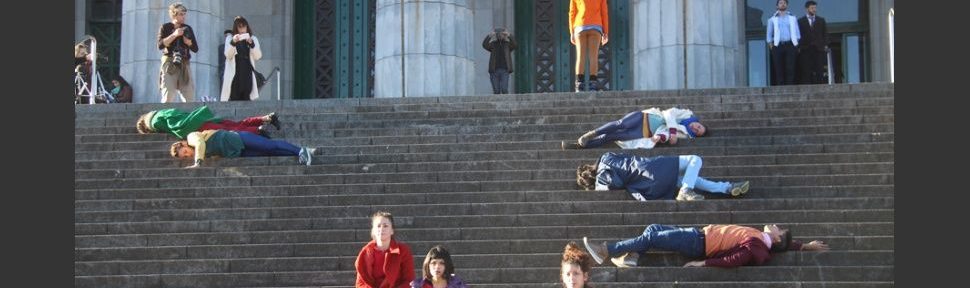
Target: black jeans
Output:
{"points": [[783, 60]]}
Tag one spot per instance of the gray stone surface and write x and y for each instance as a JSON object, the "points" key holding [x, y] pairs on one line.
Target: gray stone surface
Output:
{"points": [[485, 177]]}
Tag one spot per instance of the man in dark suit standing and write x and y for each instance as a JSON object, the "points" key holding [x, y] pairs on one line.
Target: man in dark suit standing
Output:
{"points": [[812, 55]]}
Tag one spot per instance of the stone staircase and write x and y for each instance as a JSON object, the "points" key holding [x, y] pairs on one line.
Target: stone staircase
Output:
{"points": [[484, 176]]}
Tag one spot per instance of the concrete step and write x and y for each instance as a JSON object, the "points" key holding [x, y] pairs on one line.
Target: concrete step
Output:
{"points": [[177, 197], [573, 120], [814, 215], [726, 137], [856, 244], [465, 261], [368, 105], [526, 179], [558, 169], [604, 232], [759, 109], [539, 155], [509, 208], [568, 160], [521, 275]]}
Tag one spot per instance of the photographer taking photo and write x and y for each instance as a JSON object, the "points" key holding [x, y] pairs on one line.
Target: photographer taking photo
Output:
{"points": [[176, 40], [501, 44]]}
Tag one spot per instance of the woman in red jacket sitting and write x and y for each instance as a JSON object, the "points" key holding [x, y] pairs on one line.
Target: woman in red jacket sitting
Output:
{"points": [[384, 262]]}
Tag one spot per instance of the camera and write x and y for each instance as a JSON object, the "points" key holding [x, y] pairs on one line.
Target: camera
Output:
{"points": [[177, 57]]}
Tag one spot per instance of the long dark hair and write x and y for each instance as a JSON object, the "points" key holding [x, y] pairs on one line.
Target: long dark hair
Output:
{"points": [[240, 20], [124, 83], [586, 176], [438, 252]]}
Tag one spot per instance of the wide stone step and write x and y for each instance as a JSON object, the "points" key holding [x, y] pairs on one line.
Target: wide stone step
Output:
{"points": [[527, 179], [203, 198], [600, 232], [502, 275], [175, 197], [336, 248], [543, 122], [512, 208], [465, 261], [539, 155], [789, 216], [558, 169], [582, 112], [521, 100], [568, 160], [726, 137]]}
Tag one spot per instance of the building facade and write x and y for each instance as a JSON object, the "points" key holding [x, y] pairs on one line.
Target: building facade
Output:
{"points": [[414, 48]]}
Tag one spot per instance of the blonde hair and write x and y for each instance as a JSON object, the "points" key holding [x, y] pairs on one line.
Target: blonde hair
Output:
{"points": [[175, 8], [144, 125], [174, 150]]}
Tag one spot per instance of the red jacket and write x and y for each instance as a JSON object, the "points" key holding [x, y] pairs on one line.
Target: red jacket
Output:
{"points": [[751, 251], [398, 266]]}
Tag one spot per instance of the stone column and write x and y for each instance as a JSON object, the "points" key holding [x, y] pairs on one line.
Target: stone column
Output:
{"points": [[879, 36], [80, 19], [680, 44], [437, 54], [140, 57]]}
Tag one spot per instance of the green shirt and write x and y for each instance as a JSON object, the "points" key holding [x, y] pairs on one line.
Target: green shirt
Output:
{"points": [[180, 123]]}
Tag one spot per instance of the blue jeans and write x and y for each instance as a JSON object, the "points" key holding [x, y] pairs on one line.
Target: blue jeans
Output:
{"points": [[256, 145], [686, 241], [690, 167], [629, 127], [500, 81]]}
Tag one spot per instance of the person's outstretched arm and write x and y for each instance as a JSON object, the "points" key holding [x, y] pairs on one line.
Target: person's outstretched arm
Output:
{"points": [[195, 140], [814, 246]]}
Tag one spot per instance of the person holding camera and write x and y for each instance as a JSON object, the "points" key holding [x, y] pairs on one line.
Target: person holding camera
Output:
{"points": [[242, 50], [176, 40], [501, 44]]}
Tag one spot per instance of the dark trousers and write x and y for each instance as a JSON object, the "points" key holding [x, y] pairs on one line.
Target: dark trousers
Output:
{"points": [[500, 81], [812, 66], [783, 60], [689, 242], [250, 125], [627, 128], [256, 145]]}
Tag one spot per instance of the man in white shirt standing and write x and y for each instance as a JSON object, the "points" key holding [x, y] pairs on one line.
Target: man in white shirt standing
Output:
{"points": [[782, 40]]}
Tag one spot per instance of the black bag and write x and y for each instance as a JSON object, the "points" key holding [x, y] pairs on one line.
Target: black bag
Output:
{"points": [[260, 79]]}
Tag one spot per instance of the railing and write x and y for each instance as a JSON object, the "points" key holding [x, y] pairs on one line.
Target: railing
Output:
{"points": [[94, 70], [276, 72], [831, 72], [92, 88], [892, 45]]}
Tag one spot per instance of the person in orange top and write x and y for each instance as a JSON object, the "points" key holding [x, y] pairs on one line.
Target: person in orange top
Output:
{"points": [[720, 245], [384, 262], [589, 27]]}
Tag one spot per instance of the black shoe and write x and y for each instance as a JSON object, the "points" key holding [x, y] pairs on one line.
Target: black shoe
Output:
{"points": [[580, 85], [593, 84], [570, 145]]}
